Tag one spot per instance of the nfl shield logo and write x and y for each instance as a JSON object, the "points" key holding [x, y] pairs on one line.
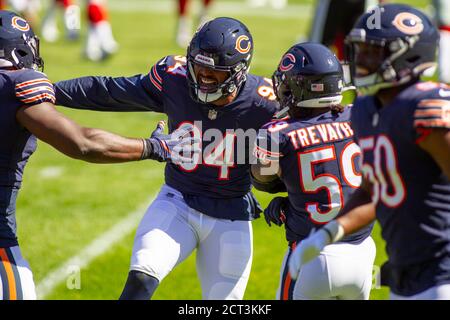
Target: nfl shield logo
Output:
{"points": [[212, 114]]}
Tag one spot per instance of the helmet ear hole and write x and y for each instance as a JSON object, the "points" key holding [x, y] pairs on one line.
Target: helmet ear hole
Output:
{"points": [[413, 59], [21, 53]]}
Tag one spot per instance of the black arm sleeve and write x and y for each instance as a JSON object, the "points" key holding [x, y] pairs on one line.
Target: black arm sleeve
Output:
{"points": [[109, 94]]}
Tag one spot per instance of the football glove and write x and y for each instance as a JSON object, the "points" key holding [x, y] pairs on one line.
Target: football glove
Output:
{"points": [[177, 147], [310, 248], [275, 211]]}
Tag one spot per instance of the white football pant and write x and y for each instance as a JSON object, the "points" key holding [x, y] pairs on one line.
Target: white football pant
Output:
{"points": [[170, 231], [341, 271], [16, 279], [441, 292]]}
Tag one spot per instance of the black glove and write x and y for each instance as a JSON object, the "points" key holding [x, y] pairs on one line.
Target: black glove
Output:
{"points": [[176, 147], [275, 211]]}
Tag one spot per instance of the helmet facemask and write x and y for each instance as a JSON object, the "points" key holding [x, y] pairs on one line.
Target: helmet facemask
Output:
{"points": [[375, 64], [207, 93], [220, 45], [305, 92]]}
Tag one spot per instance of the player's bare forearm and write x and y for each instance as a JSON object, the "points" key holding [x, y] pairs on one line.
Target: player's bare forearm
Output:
{"points": [[359, 211], [437, 144], [104, 147], [92, 145]]}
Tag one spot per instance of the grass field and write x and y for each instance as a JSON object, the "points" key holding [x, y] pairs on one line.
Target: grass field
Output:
{"points": [[65, 204]]}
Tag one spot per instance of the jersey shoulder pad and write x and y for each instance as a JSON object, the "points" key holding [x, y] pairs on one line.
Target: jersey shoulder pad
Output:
{"points": [[33, 87], [432, 107]]}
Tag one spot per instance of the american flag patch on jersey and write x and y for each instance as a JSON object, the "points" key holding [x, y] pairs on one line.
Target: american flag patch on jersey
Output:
{"points": [[35, 91], [317, 87], [432, 113]]}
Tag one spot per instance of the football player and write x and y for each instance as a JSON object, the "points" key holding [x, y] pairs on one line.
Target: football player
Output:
{"points": [[442, 9], [27, 112], [402, 127], [206, 205], [100, 43], [184, 27], [315, 158], [71, 20]]}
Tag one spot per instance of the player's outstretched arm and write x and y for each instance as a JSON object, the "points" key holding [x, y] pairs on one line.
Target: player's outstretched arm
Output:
{"points": [[437, 144], [92, 145], [356, 214], [121, 94]]}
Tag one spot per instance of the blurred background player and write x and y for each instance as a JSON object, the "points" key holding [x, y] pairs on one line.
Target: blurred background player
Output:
{"points": [[442, 12], [402, 126], [100, 42], [29, 9], [27, 112], [276, 4], [184, 21], [71, 20], [314, 155]]}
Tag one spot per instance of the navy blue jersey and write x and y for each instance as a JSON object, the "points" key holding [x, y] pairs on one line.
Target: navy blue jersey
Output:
{"points": [[411, 193], [18, 88], [319, 167], [217, 175]]}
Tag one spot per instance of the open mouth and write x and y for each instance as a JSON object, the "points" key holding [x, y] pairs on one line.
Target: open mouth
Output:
{"points": [[207, 85]]}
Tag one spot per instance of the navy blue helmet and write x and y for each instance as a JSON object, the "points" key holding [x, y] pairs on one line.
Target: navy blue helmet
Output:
{"points": [[390, 45], [222, 44], [19, 46], [309, 76]]}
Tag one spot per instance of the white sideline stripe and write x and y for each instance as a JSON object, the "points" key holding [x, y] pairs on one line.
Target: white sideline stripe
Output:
{"points": [[95, 249], [217, 9]]}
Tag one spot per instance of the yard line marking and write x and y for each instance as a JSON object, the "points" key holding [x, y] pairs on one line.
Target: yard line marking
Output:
{"points": [[51, 172], [96, 248], [299, 11]]}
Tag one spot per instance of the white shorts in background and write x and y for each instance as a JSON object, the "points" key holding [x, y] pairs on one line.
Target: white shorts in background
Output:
{"points": [[25, 5], [16, 279], [341, 271], [170, 231]]}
